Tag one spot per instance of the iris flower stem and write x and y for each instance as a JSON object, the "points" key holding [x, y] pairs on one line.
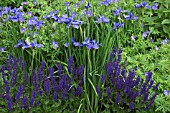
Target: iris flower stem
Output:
{"points": [[86, 94], [69, 45]]}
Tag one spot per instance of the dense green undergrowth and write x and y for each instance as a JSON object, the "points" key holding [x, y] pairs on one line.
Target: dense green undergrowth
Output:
{"points": [[98, 56]]}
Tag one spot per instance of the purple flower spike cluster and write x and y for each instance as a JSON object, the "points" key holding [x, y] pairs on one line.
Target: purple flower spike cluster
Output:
{"points": [[125, 87], [59, 86], [28, 44], [89, 44]]}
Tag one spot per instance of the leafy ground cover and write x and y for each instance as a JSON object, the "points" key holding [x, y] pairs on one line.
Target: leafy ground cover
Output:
{"points": [[85, 56]]}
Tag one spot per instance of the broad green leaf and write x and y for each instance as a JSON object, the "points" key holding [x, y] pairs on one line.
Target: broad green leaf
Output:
{"points": [[165, 21], [165, 29]]}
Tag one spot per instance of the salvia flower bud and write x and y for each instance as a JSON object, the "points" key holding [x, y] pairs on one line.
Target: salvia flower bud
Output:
{"points": [[25, 78], [14, 78], [47, 86], [82, 80], [156, 87], [9, 105], [145, 97], [148, 76], [33, 96], [24, 102], [117, 98], [150, 84], [153, 97], [149, 105], [78, 91], [108, 91], [59, 68], [102, 78], [20, 90], [55, 96], [132, 105], [64, 94], [137, 81], [37, 103], [70, 64], [97, 89], [143, 89]]}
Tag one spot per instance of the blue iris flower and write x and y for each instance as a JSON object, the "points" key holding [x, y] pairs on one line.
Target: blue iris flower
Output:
{"points": [[164, 41], [88, 13], [117, 25], [117, 12], [130, 16], [55, 44], [24, 3], [144, 34], [98, 20], [2, 49], [89, 44], [148, 7], [66, 44], [25, 45], [102, 19], [144, 3], [138, 5], [166, 93], [74, 42], [86, 41], [22, 30], [87, 5], [81, 1], [133, 37], [34, 44], [108, 2], [76, 5], [20, 42], [92, 45], [67, 4], [29, 13], [155, 6]]}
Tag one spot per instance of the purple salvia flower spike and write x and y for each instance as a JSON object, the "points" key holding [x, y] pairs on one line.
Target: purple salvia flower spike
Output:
{"points": [[33, 96], [102, 78]]}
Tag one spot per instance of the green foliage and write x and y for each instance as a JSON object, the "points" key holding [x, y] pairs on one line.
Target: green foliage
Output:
{"points": [[157, 62], [139, 52], [162, 104], [13, 3], [159, 22]]}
